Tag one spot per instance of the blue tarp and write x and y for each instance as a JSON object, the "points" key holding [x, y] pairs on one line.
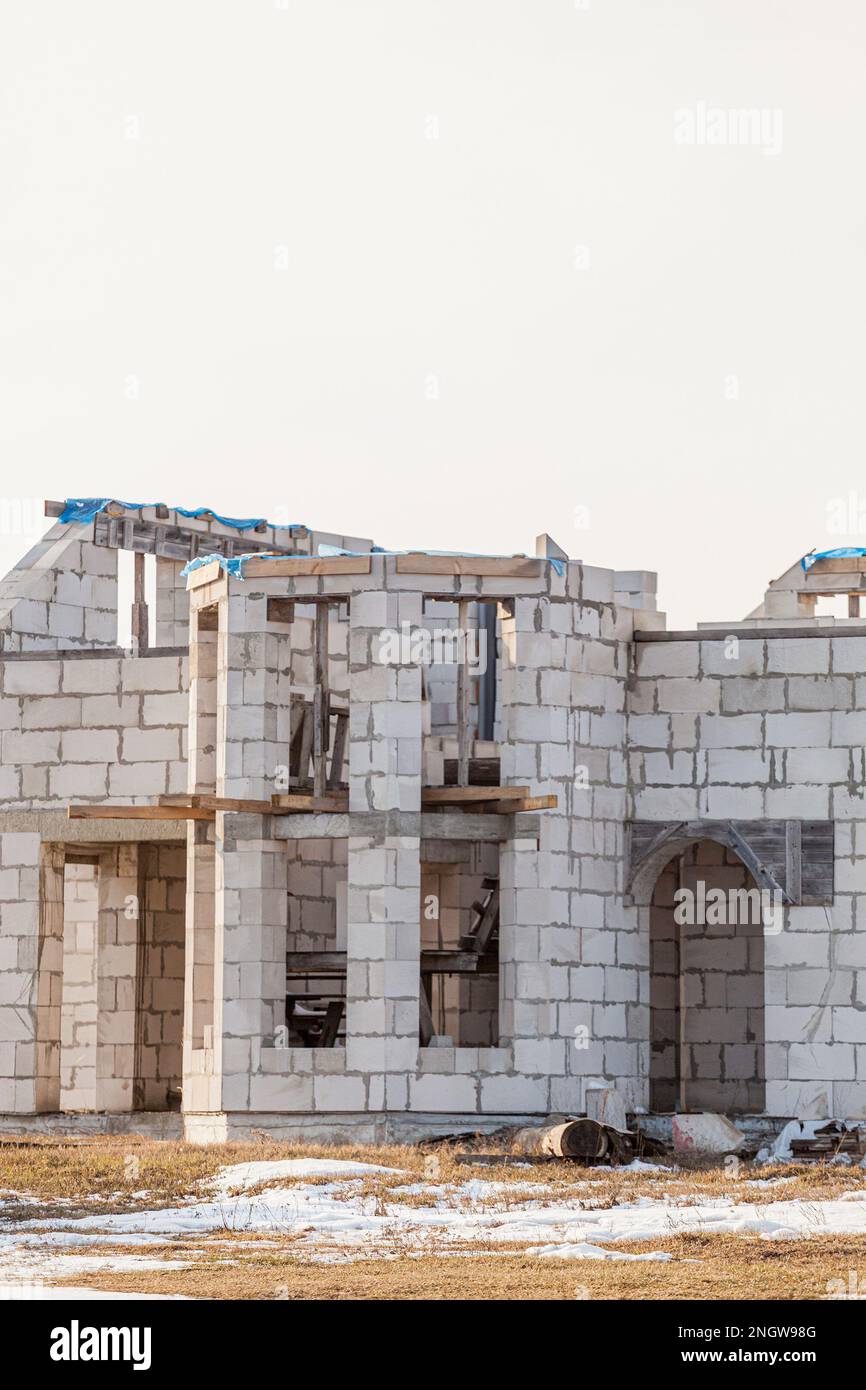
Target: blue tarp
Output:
{"points": [[234, 566], [843, 553], [86, 508]]}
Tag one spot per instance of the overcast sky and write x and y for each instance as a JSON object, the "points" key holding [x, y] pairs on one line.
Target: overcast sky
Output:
{"points": [[447, 273]]}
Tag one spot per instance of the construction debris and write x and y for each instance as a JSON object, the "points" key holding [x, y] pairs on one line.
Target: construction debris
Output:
{"points": [[583, 1139], [706, 1134], [832, 1141], [607, 1105]]}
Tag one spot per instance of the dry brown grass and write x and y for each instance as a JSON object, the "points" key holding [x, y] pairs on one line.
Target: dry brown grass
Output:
{"points": [[703, 1267], [64, 1178]]}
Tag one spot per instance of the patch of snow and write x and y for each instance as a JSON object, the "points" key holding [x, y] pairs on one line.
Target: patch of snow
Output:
{"points": [[19, 1292], [246, 1175], [639, 1165], [584, 1251], [770, 1182], [334, 1214]]}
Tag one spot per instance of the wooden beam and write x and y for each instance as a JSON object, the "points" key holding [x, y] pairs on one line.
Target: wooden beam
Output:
{"points": [[455, 796], [139, 606], [299, 801], [834, 564], [425, 1017], [81, 812], [300, 566], [338, 753], [234, 803], [794, 860], [483, 772], [526, 803], [483, 566], [307, 737]]}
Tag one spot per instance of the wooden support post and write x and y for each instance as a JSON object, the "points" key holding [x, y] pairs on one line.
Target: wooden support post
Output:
{"points": [[341, 733], [425, 1016], [321, 701], [463, 740], [853, 605], [139, 607], [794, 860], [306, 745]]}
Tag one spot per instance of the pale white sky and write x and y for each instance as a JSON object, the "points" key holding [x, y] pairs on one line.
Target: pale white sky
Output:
{"points": [[437, 271]]}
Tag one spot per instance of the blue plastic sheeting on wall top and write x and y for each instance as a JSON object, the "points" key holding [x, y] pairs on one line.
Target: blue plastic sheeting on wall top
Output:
{"points": [[86, 508], [233, 565], [844, 552]]}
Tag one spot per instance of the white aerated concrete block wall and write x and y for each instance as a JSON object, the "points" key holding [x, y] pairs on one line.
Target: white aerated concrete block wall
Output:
{"points": [[384, 868], [172, 604], [92, 728], [79, 989], [774, 728], [62, 594]]}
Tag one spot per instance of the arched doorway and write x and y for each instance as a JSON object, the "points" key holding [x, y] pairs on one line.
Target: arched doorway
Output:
{"points": [[707, 930]]}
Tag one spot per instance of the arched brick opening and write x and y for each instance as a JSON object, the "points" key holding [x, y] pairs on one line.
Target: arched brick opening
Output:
{"points": [[707, 985]]}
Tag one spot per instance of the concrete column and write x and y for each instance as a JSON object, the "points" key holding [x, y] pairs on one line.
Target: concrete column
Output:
{"points": [[251, 902], [117, 978], [79, 1012], [202, 1030], [384, 871]]}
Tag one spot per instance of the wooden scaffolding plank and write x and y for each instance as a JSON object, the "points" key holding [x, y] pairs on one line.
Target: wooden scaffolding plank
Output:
{"points": [[82, 812], [455, 796], [524, 803]]}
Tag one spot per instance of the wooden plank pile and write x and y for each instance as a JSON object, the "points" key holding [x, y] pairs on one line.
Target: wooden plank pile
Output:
{"points": [[833, 1140]]}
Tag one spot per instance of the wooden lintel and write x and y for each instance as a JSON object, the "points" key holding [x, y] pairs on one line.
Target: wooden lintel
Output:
{"points": [[455, 796], [515, 804], [300, 566], [482, 566], [301, 801]]}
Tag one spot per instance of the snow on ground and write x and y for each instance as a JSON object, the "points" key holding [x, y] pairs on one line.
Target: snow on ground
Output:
{"points": [[251, 1174], [24, 1292], [335, 1220], [584, 1251]]}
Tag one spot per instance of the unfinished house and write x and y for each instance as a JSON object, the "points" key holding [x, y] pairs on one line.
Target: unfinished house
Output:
{"points": [[339, 842]]}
